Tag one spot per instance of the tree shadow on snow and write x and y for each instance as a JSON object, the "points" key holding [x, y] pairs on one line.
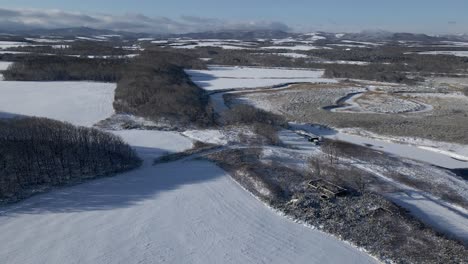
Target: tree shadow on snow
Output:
{"points": [[120, 191], [202, 79]]}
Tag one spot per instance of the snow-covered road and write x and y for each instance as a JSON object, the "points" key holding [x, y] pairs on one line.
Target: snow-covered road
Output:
{"points": [[182, 212]]}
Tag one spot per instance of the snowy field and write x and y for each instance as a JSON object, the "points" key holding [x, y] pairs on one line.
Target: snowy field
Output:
{"points": [[382, 103], [402, 150], [80, 103], [12, 44], [182, 212], [454, 53], [295, 47], [4, 65], [221, 78], [288, 54], [224, 44]]}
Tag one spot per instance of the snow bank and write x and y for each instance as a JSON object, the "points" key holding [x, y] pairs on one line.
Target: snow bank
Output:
{"points": [[80, 103]]}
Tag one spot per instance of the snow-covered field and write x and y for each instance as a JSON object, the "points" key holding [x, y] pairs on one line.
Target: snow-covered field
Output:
{"points": [[12, 44], [456, 151], [295, 47], [454, 53], [220, 78], [4, 65], [192, 44], [182, 212], [80, 103], [402, 150], [379, 102], [290, 55]]}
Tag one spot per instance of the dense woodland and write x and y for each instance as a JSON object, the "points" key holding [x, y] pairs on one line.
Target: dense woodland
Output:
{"points": [[36, 153], [78, 48], [155, 86], [263, 123], [64, 68]]}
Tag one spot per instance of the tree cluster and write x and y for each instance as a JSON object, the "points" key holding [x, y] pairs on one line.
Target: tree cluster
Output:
{"points": [[42, 152], [155, 86], [263, 123], [64, 68]]}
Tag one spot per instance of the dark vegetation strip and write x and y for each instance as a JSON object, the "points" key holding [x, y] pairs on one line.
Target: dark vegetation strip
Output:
{"points": [[64, 68], [38, 153]]}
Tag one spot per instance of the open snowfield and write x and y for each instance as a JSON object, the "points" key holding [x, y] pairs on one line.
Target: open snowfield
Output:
{"points": [[402, 150], [210, 44], [12, 44], [221, 78], [380, 102], [182, 212], [454, 53], [80, 103], [295, 47], [4, 65]]}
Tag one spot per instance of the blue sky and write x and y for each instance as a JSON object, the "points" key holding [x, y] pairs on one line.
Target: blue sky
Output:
{"points": [[430, 16]]}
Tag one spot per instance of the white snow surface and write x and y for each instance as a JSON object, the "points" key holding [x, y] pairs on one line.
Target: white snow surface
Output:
{"points": [[221, 78], [291, 55], [402, 150], [453, 53], [181, 212], [151, 144], [456, 151], [295, 47], [13, 44], [4, 65], [434, 212], [211, 136], [80, 103]]}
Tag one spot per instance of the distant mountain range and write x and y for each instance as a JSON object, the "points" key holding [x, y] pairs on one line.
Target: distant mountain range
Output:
{"points": [[372, 36]]}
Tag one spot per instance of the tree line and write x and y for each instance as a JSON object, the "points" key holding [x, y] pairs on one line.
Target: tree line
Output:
{"points": [[64, 68], [156, 86], [38, 152]]}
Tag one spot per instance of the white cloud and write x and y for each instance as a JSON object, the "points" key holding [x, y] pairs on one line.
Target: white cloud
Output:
{"points": [[14, 19]]}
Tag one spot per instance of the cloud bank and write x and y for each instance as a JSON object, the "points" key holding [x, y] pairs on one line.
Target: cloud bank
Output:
{"points": [[23, 19]]}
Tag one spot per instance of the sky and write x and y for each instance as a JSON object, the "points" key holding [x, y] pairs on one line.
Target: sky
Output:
{"points": [[178, 16]]}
